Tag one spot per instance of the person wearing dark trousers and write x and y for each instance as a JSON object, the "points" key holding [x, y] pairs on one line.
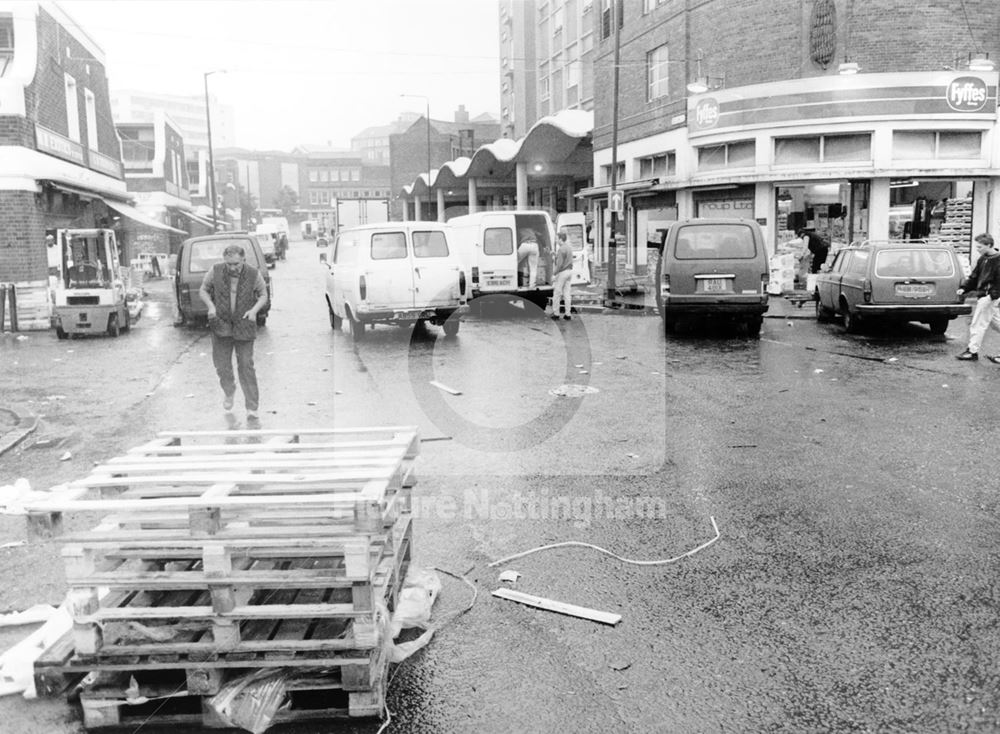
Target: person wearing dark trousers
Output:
{"points": [[234, 293], [984, 283], [817, 246]]}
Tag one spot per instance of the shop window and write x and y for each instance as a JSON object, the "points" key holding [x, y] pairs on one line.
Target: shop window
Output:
{"points": [[929, 145], [656, 72], [839, 148], [796, 151]]}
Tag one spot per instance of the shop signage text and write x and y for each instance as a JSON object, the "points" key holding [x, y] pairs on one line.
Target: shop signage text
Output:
{"points": [[706, 114], [55, 143], [967, 94]]}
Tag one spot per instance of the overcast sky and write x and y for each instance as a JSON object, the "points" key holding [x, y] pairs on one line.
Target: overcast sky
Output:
{"points": [[304, 71]]}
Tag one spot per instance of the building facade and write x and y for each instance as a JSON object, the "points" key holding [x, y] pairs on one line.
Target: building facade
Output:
{"points": [[849, 118], [261, 174], [338, 189], [61, 159], [418, 151], [546, 60]]}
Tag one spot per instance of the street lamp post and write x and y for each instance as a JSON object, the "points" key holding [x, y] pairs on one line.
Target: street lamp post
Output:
{"points": [[211, 159], [427, 117]]}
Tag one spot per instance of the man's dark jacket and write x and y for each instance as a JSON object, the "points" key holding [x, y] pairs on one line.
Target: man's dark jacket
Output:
{"points": [[985, 277]]}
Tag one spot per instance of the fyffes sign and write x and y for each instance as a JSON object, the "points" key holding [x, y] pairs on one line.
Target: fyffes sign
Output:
{"points": [[706, 113], [966, 94]]}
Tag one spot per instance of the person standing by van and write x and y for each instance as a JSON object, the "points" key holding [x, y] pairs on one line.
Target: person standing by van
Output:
{"points": [[984, 282], [528, 250], [563, 278], [234, 293], [817, 245]]}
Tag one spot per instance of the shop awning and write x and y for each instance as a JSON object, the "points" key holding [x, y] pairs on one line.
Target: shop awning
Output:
{"points": [[629, 187], [195, 218], [137, 216]]}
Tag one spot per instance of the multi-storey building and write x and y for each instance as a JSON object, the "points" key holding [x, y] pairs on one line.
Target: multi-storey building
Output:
{"points": [[262, 174], [855, 119], [372, 143], [61, 159], [189, 113], [546, 60]]}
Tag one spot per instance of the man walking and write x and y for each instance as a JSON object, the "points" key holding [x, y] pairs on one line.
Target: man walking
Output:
{"points": [[562, 280], [984, 282], [234, 292]]}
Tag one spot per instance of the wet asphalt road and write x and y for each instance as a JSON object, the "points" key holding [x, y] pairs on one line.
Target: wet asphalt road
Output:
{"points": [[853, 481]]}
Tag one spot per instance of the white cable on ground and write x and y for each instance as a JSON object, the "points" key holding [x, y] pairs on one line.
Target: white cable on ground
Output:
{"points": [[634, 562], [446, 621]]}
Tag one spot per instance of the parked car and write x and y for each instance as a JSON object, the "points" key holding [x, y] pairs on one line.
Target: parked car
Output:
{"points": [[397, 273], [196, 257], [713, 269], [892, 281]]}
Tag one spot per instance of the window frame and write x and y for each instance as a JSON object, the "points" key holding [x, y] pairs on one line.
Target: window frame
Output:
{"points": [[657, 73]]}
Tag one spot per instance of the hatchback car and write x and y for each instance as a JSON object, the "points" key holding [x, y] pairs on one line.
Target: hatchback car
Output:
{"points": [[892, 281]]}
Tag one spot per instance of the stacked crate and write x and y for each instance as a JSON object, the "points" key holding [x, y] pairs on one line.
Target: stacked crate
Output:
{"points": [[227, 552], [956, 230]]}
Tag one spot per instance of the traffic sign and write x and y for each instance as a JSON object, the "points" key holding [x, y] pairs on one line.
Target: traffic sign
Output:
{"points": [[616, 201]]}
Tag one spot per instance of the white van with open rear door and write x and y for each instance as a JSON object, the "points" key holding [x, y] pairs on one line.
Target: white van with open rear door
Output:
{"points": [[488, 244], [400, 273]]}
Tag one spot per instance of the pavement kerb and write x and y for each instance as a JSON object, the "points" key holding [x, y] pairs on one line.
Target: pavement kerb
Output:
{"points": [[26, 425]]}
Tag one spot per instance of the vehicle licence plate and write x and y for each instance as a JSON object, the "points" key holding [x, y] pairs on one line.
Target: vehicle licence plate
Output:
{"points": [[715, 285], [914, 290]]}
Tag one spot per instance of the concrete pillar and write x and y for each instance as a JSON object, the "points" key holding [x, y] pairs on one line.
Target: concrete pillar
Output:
{"points": [[406, 210], [440, 205], [878, 209], [473, 202], [522, 186], [417, 203], [570, 199]]}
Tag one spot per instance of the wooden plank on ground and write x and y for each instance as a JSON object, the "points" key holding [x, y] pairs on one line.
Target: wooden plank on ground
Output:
{"points": [[557, 606]]}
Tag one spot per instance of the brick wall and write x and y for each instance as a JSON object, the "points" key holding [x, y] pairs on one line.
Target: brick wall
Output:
{"points": [[759, 41], [22, 237]]}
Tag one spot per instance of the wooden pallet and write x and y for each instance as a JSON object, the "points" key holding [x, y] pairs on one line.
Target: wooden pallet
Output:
{"points": [[240, 614], [179, 699], [353, 476]]}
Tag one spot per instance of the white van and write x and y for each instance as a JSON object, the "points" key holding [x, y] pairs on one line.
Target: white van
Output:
{"points": [[396, 273], [488, 243]]}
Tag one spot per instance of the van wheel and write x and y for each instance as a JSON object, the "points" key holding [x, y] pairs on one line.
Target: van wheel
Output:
{"points": [[61, 333], [451, 326], [938, 325], [335, 320], [852, 322], [753, 327], [114, 328]]}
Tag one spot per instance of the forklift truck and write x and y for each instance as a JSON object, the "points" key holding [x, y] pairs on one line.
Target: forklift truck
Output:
{"points": [[90, 295]]}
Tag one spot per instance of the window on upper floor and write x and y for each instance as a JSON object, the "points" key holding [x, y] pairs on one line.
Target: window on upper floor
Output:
{"points": [[606, 174], [72, 108], [822, 149], [90, 106], [6, 41], [138, 145], [726, 155], [324, 175], [649, 6], [355, 174], [313, 175], [657, 77], [655, 166], [930, 145], [313, 196], [543, 88]]}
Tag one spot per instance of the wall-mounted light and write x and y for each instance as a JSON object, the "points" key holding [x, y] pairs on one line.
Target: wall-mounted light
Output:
{"points": [[537, 168], [981, 62], [848, 68], [703, 82]]}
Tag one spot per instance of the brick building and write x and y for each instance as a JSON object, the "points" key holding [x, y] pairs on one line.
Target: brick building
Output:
{"points": [[408, 151], [60, 158], [337, 187], [856, 119]]}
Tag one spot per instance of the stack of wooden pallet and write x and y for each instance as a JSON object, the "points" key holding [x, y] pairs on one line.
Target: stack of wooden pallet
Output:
{"points": [[227, 552]]}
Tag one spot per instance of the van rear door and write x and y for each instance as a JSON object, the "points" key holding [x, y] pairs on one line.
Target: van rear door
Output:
{"points": [[435, 269], [497, 254], [389, 270], [574, 224]]}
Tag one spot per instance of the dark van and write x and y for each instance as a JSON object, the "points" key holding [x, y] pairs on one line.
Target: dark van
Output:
{"points": [[713, 269], [196, 257]]}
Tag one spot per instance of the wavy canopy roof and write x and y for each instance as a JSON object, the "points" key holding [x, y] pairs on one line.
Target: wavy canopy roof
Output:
{"points": [[553, 138]]}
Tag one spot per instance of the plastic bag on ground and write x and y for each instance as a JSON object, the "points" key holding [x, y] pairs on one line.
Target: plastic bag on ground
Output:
{"points": [[17, 665], [251, 702], [413, 609]]}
